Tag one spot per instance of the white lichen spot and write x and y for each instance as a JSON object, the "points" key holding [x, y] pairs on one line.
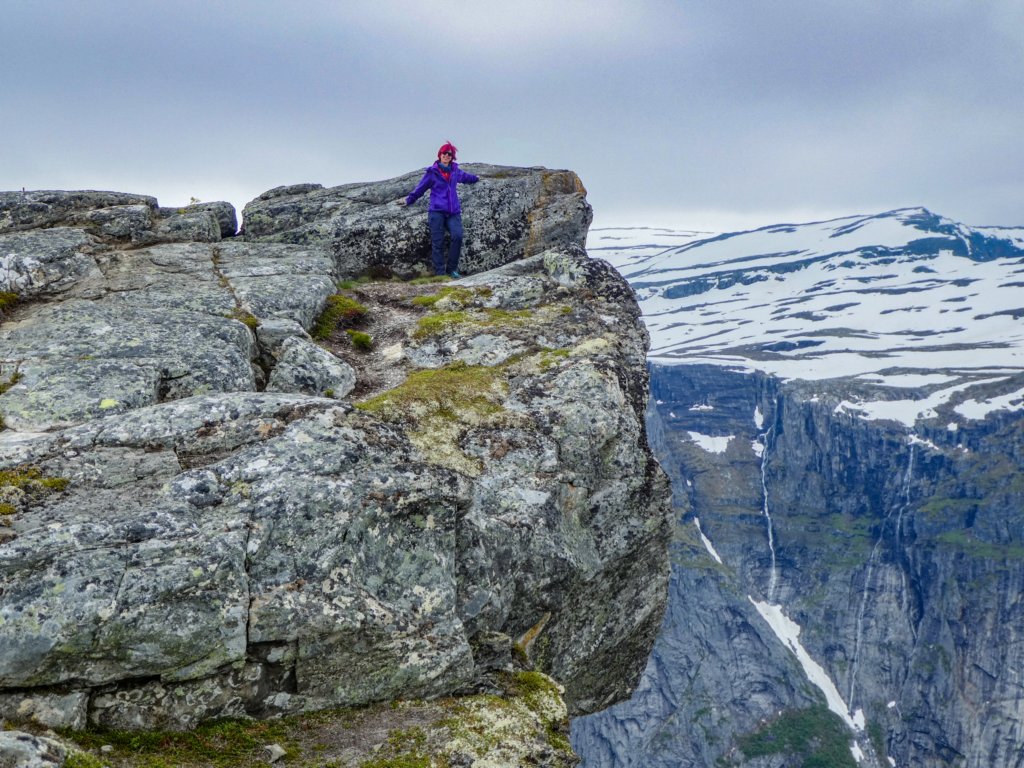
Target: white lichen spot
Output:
{"points": [[430, 599]]}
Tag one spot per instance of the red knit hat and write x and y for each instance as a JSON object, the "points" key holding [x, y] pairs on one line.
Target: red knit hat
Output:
{"points": [[447, 147]]}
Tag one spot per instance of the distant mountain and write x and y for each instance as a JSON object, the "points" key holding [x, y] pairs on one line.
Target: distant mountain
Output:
{"points": [[840, 407]]}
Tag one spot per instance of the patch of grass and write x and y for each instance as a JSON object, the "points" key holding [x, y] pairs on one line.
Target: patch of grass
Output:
{"points": [[348, 285], [221, 744], [441, 322], [338, 309], [816, 735], [82, 760], [360, 340], [427, 280]]}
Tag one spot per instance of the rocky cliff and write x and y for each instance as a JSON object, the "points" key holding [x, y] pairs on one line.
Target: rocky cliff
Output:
{"points": [[208, 513], [848, 560]]}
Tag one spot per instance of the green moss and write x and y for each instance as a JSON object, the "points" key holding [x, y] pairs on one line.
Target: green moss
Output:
{"points": [[32, 483], [82, 760], [404, 748], [442, 322], [247, 318], [338, 309], [816, 735], [438, 407], [434, 325], [14, 379], [450, 294], [552, 357], [427, 280], [7, 300], [487, 725], [943, 508], [964, 541], [877, 736], [220, 744], [31, 479], [360, 340], [455, 392]]}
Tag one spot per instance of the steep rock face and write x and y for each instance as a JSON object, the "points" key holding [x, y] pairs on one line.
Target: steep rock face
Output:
{"points": [[897, 552], [178, 545], [510, 213]]}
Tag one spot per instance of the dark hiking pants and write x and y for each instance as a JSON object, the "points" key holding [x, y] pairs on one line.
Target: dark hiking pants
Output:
{"points": [[439, 222]]}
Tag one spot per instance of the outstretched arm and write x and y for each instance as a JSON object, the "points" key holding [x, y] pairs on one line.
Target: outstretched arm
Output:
{"points": [[417, 193], [467, 178]]}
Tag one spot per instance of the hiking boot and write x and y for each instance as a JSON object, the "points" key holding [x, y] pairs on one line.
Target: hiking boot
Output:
{"points": [[455, 275]]}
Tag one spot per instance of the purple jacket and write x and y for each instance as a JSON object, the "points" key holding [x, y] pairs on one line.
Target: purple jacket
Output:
{"points": [[443, 195]]}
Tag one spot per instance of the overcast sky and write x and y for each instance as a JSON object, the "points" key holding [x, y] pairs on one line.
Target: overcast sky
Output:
{"points": [[706, 114]]}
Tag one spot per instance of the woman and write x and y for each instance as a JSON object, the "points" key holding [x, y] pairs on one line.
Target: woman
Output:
{"points": [[445, 212]]}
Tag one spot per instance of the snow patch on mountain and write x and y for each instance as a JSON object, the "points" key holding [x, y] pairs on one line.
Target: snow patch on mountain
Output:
{"points": [[903, 300]]}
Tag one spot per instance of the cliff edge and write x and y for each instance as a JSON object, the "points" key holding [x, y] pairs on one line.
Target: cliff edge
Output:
{"points": [[209, 513]]}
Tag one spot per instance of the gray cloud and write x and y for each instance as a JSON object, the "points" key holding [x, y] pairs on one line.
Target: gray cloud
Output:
{"points": [[666, 108]]}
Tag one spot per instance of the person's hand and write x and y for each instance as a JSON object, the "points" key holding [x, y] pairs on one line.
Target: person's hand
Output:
{"points": [[400, 201]]}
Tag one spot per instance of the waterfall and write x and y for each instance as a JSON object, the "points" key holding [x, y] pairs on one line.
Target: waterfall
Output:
{"points": [[773, 579], [902, 502]]}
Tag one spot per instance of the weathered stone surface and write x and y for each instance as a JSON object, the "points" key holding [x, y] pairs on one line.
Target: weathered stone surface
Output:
{"points": [[24, 750], [509, 214], [224, 213], [52, 710], [159, 323], [46, 261], [116, 217], [222, 551], [58, 208], [304, 367]]}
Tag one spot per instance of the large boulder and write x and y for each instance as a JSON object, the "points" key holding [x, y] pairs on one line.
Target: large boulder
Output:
{"points": [[177, 544], [510, 214], [116, 217]]}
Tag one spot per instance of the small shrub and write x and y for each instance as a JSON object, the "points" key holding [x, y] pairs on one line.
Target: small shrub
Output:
{"points": [[338, 309], [360, 340]]}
